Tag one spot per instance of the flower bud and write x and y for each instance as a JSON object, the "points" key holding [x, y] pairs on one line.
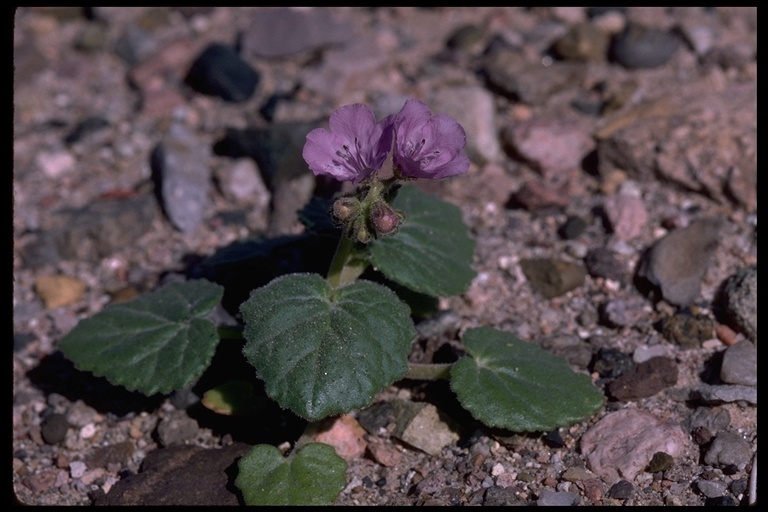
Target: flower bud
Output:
{"points": [[384, 218], [345, 209]]}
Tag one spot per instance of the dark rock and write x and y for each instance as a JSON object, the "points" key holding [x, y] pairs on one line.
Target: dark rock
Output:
{"points": [[722, 501], [84, 128], [376, 416], [603, 262], [276, 149], [645, 379], [582, 42], [643, 47], [621, 490], [573, 227], [660, 462], [688, 331], [220, 71], [118, 453], [610, 363], [181, 476], [552, 277], [54, 428]]}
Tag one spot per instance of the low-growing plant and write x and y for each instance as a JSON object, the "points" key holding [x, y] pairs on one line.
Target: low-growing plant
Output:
{"points": [[325, 345]]}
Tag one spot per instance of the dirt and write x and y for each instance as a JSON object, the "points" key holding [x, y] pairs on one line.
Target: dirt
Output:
{"points": [[698, 107]]}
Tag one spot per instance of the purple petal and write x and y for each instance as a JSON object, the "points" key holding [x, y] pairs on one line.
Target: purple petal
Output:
{"points": [[428, 146], [355, 146]]}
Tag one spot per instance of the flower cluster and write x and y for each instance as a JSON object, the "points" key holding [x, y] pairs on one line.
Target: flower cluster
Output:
{"points": [[356, 146]]}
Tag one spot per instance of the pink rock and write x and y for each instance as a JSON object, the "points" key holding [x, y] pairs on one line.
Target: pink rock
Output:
{"points": [[626, 214], [622, 443], [551, 146], [346, 436], [385, 455]]}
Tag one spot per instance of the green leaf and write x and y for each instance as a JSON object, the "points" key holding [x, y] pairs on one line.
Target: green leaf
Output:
{"points": [[235, 397], [322, 350], [515, 385], [156, 343], [432, 252], [315, 475]]}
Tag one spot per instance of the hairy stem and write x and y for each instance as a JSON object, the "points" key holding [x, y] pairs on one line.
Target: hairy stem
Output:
{"points": [[421, 371], [345, 266]]}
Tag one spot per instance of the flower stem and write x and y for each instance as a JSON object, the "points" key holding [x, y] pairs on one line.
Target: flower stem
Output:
{"points": [[422, 371], [345, 266]]}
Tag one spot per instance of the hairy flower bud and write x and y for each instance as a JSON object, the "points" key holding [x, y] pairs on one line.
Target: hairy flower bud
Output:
{"points": [[345, 209], [384, 218]]}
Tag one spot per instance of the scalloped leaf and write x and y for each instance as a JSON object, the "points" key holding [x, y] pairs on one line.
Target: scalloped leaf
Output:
{"points": [[156, 343], [432, 251], [323, 350], [314, 475], [511, 384]]}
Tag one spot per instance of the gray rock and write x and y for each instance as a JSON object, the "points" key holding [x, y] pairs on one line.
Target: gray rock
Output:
{"points": [[176, 429], [502, 496], [550, 498], [677, 262], [422, 426], [739, 297], [725, 394], [309, 29], [181, 166], [242, 184], [714, 419], [475, 110], [728, 448], [511, 75], [711, 488], [739, 364], [623, 312], [92, 232]]}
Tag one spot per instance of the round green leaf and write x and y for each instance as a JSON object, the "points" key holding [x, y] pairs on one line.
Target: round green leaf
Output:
{"points": [[323, 351], [432, 252], [156, 343], [315, 475], [515, 385]]}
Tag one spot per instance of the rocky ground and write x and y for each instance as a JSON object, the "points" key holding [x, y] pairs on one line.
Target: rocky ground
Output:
{"points": [[612, 196]]}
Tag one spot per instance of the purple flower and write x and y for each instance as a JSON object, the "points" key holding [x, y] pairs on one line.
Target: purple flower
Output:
{"points": [[355, 146], [428, 146]]}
